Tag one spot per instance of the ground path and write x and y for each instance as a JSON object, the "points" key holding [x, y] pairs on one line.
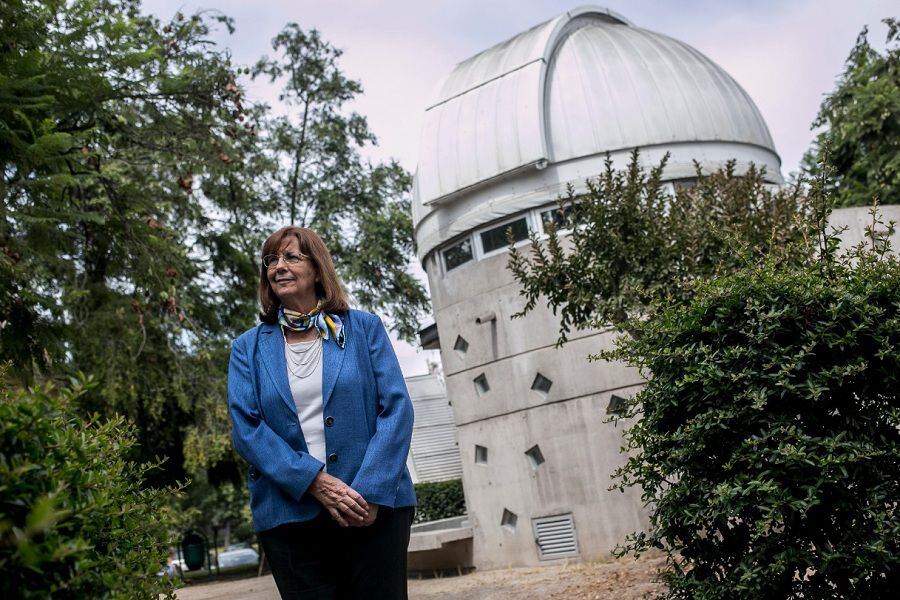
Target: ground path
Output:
{"points": [[625, 579]]}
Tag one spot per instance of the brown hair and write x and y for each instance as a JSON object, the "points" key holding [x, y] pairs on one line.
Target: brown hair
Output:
{"points": [[328, 288]]}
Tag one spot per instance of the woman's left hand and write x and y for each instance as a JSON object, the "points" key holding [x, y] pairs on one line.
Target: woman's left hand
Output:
{"points": [[368, 520]]}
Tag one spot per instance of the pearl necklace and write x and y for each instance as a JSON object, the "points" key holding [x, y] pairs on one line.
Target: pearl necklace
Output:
{"points": [[303, 362]]}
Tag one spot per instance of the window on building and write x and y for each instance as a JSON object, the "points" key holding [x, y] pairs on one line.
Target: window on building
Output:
{"points": [[480, 455], [685, 184], [541, 384], [555, 216], [494, 239], [616, 405], [461, 345], [535, 455], [458, 254], [481, 385], [508, 520]]}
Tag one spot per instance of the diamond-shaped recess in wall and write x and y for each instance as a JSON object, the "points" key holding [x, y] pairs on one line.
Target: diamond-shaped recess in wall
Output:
{"points": [[508, 520], [481, 385], [535, 456], [541, 384]]}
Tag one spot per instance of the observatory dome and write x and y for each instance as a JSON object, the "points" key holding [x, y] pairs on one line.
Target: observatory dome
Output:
{"points": [[512, 125]]}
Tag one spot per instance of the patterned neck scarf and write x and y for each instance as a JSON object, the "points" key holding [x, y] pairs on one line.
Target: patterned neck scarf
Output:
{"points": [[328, 325]]}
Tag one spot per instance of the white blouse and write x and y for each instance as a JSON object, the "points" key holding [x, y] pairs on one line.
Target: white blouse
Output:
{"points": [[307, 394]]}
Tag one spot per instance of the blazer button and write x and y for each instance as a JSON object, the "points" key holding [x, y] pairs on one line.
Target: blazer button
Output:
{"points": [[332, 458], [329, 421]]}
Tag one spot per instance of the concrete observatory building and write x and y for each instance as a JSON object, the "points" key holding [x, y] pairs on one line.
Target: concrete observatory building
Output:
{"points": [[508, 129]]}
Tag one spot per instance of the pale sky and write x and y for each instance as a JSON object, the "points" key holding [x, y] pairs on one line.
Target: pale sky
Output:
{"points": [[785, 53]]}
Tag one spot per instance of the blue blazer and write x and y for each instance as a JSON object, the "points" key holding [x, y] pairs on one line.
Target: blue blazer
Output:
{"points": [[367, 412]]}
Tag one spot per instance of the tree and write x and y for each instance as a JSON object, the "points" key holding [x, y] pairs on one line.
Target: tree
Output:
{"points": [[629, 243], [361, 210], [136, 193], [860, 143], [76, 520], [222, 511], [767, 439], [108, 116]]}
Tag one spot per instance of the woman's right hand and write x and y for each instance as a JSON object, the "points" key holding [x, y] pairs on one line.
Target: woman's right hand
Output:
{"points": [[343, 503]]}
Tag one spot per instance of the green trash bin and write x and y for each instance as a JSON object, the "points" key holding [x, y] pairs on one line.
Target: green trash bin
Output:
{"points": [[193, 549]]}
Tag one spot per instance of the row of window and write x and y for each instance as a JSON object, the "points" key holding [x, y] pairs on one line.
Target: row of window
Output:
{"points": [[493, 240], [534, 454], [541, 385]]}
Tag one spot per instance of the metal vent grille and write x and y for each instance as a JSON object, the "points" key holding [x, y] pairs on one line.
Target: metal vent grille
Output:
{"points": [[555, 536]]}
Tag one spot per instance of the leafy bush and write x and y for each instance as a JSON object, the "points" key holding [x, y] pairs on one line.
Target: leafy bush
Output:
{"points": [[769, 434], [439, 500], [75, 521], [626, 243]]}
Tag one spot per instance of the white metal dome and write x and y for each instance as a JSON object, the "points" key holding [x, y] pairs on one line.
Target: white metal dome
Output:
{"points": [[613, 86], [585, 83]]}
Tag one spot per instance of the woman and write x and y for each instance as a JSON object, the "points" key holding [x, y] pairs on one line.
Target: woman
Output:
{"points": [[321, 413]]}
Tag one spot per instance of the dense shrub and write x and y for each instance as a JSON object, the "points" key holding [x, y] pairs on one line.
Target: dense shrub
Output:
{"points": [[625, 242], [439, 500], [75, 520], [768, 441]]}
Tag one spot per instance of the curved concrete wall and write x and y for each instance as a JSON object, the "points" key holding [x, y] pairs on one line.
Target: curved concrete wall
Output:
{"points": [[566, 421]]}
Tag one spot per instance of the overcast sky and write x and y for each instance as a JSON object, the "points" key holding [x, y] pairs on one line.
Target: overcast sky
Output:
{"points": [[785, 53]]}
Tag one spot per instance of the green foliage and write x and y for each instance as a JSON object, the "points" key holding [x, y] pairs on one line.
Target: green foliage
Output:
{"points": [[768, 434], [76, 520], [861, 121], [135, 193], [439, 500], [222, 510], [107, 115], [630, 243]]}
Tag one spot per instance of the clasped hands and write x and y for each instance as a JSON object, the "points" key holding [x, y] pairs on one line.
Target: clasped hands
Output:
{"points": [[343, 503]]}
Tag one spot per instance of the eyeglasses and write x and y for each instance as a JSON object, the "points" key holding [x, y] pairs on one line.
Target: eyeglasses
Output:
{"points": [[269, 261]]}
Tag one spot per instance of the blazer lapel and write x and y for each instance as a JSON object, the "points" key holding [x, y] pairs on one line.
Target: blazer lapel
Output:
{"points": [[272, 345], [333, 358]]}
